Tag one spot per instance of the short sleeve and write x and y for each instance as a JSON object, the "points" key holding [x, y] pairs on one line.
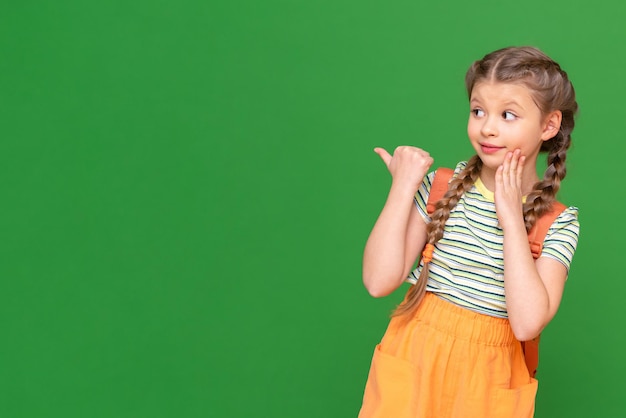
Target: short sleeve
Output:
{"points": [[421, 197], [562, 237]]}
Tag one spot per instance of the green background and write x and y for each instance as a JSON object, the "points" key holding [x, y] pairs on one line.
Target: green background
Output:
{"points": [[187, 188]]}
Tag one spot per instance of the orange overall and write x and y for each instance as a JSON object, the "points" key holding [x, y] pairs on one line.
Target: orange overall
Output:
{"points": [[445, 362]]}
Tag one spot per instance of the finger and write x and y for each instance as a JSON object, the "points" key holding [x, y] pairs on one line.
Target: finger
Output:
{"points": [[499, 180], [506, 167], [384, 155], [516, 176], [514, 163], [520, 170], [499, 174]]}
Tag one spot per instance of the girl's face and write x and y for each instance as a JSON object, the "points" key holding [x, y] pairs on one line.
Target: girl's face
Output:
{"points": [[504, 117]]}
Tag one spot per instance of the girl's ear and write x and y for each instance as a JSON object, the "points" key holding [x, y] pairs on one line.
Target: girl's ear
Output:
{"points": [[552, 125]]}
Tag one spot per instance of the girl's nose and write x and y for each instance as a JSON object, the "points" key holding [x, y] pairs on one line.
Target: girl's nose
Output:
{"points": [[489, 128]]}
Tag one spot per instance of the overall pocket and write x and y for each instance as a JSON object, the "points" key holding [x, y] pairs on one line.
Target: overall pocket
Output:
{"points": [[390, 387], [515, 403]]}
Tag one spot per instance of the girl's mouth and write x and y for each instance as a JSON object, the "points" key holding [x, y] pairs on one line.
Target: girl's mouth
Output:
{"points": [[489, 149]]}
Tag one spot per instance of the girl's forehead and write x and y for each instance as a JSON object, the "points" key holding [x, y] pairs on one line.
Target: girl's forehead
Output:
{"points": [[501, 91]]}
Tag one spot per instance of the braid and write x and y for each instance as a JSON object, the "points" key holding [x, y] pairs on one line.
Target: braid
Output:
{"points": [[458, 186], [540, 199]]}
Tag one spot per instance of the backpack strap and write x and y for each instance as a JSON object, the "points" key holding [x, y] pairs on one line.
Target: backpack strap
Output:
{"points": [[538, 232], [536, 236], [439, 187], [530, 349]]}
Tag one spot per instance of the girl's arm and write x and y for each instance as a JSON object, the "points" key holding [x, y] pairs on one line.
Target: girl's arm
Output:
{"points": [[533, 288], [400, 232]]}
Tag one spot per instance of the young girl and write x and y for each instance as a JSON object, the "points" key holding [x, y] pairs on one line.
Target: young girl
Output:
{"points": [[452, 348]]}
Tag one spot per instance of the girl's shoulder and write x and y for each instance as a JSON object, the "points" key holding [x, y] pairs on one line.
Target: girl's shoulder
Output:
{"points": [[569, 217], [457, 169], [570, 212], [562, 238], [459, 166]]}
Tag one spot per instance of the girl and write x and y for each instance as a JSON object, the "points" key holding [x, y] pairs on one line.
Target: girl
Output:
{"points": [[452, 348]]}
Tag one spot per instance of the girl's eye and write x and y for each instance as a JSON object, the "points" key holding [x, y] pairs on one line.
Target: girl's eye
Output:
{"points": [[508, 116], [478, 112]]}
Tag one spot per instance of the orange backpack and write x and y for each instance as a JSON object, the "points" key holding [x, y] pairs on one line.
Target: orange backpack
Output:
{"points": [[536, 235]]}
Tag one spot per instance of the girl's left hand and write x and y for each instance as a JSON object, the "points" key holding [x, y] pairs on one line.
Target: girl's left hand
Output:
{"points": [[508, 194]]}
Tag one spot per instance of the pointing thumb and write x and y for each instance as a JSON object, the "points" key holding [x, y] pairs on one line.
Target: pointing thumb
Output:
{"points": [[384, 155]]}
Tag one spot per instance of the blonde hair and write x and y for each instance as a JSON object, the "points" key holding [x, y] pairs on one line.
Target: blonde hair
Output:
{"points": [[551, 90]]}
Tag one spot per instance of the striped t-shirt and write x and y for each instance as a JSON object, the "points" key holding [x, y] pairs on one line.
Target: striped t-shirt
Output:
{"points": [[467, 267]]}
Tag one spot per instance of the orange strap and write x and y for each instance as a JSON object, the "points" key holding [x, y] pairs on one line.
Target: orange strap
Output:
{"points": [[537, 233], [439, 187]]}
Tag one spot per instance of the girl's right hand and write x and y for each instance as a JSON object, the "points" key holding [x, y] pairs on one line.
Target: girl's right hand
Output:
{"points": [[407, 164]]}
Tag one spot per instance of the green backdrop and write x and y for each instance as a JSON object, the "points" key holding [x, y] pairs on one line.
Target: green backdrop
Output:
{"points": [[188, 186]]}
